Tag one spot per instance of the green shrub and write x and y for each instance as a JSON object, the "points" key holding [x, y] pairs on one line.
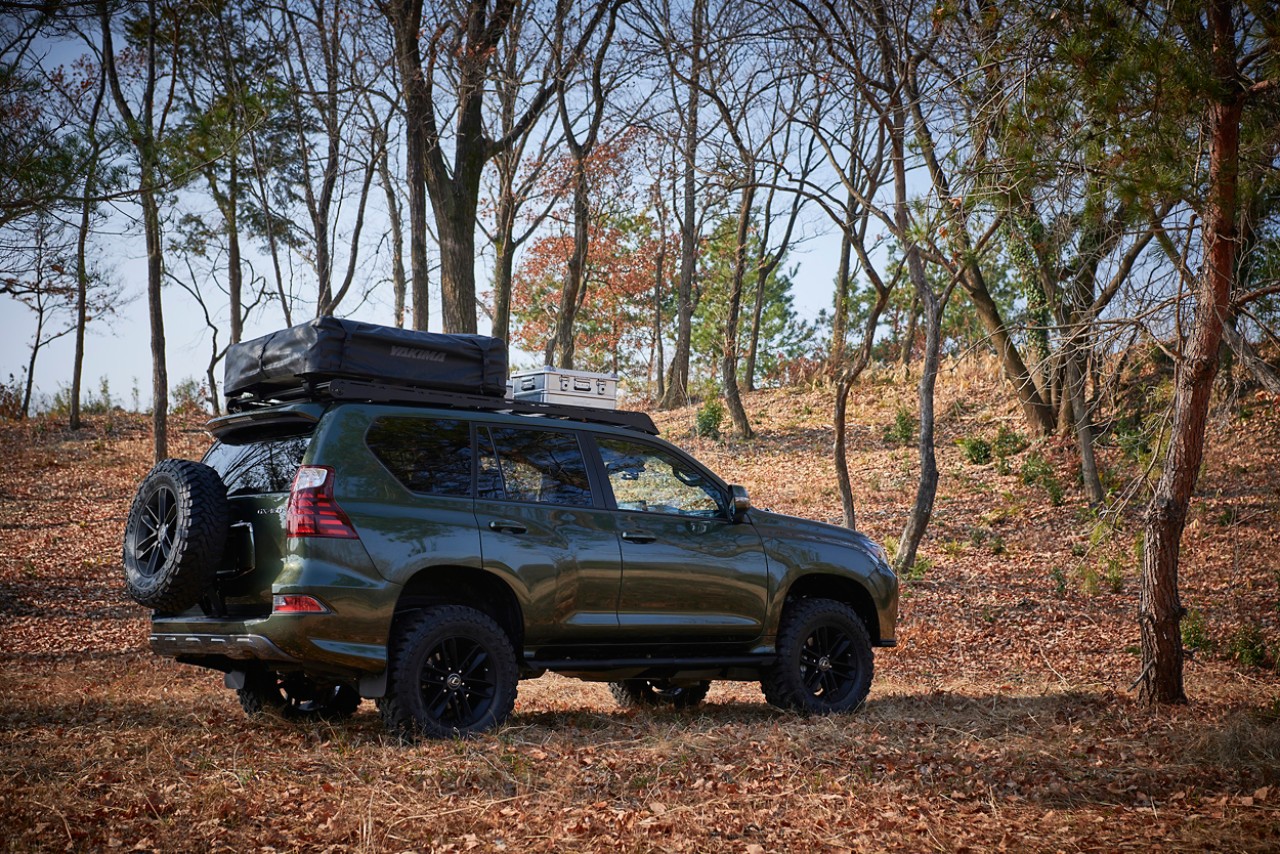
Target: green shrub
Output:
{"points": [[187, 397], [1036, 470], [1247, 647], [1089, 580], [919, 569], [11, 399], [1195, 632], [710, 417], [1059, 580], [903, 429], [1114, 576], [1132, 439], [975, 449], [1007, 443]]}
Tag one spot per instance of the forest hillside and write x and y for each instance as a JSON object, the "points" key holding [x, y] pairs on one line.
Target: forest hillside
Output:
{"points": [[1005, 718]]}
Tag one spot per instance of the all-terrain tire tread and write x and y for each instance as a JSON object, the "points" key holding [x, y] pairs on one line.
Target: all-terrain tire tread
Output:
{"points": [[203, 519], [779, 685], [396, 717]]}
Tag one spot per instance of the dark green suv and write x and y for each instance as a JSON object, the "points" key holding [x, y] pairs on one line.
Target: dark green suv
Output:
{"points": [[429, 555]]}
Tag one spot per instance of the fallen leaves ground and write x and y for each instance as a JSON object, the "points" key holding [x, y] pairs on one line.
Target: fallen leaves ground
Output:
{"points": [[1004, 720]]}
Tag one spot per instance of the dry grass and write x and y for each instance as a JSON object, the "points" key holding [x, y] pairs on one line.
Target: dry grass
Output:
{"points": [[1003, 719]]}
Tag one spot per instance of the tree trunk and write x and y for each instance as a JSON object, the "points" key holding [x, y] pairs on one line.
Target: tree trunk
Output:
{"points": [[82, 239], [155, 310], [35, 351], [406, 21], [843, 386], [677, 391], [909, 337], [574, 290], [457, 270], [729, 360], [840, 318], [396, 227], [927, 487], [660, 272], [1038, 414], [1159, 608], [1074, 392], [503, 270]]}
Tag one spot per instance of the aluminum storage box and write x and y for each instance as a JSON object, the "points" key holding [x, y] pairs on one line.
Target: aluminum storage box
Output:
{"points": [[567, 388]]}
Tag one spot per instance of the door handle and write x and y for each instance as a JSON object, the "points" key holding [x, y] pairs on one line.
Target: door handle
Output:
{"points": [[509, 527], [638, 536]]}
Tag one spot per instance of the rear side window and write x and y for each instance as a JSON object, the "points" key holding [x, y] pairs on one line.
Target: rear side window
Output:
{"points": [[428, 455], [257, 467], [537, 466]]}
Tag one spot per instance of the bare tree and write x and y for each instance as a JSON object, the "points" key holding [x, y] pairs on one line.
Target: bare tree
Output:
{"points": [[581, 142], [145, 124], [337, 155], [680, 42], [462, 43]]}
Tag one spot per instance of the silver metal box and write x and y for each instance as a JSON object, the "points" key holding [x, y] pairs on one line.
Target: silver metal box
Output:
{"points": [[569, 388]]}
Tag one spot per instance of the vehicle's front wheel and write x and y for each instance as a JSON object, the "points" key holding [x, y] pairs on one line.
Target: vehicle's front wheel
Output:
{"points": [[453, 674], [824, 660], [647, 693]]}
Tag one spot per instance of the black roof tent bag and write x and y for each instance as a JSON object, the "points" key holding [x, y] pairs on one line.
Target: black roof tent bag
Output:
{"points": [[328, 348]]}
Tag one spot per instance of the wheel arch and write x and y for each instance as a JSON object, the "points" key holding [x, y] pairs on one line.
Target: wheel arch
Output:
{"points": [[474, 588], [840, 589]]}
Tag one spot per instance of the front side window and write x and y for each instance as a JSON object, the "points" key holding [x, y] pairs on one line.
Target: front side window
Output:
{"points": [[537, 466], [428, 455], [652, 480]]}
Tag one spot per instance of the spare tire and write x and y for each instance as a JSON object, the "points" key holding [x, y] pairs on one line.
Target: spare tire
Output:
{"points": [[174, 539]]}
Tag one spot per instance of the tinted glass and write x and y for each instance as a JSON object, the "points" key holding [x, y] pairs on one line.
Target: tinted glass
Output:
{"points": [[255, 467], [431, 456], [540, 466], [488, 475], [649, 479]]}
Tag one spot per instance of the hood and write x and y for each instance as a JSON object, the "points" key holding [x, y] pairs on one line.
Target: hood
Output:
{"points": [[798, 529]]}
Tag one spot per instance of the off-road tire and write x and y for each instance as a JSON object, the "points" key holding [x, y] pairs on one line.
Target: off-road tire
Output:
{"points": [[265, 692], [824, 662], [453, 674], [175, 535], [649, 693]]}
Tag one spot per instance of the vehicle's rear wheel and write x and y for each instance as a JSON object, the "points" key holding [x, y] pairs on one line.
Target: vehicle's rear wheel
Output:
{"points": [[453, 673], [295, 696], [647, 693], [175, 535], [824, 660]]}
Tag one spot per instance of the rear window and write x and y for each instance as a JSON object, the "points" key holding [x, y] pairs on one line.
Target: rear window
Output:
{"points": [[256, 467]]}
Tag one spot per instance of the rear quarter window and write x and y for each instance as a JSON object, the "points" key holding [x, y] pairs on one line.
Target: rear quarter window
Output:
{"points": [[257, 467], [431, 456]]}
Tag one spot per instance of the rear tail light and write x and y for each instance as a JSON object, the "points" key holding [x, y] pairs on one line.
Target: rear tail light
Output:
{"points": [[313, 512]]}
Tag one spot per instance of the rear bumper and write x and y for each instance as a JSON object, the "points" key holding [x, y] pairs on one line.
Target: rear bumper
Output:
{"points": [[320, 643], [237, 647]]}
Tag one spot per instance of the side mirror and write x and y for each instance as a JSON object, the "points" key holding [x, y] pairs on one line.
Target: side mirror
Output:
{"points": [[741, 501]]}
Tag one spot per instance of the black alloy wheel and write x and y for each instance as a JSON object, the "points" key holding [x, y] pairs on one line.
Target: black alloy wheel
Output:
{"points": [[175, 535], [824, 662], [454, 675]]}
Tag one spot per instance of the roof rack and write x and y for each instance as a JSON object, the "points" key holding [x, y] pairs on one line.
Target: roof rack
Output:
{"points": [[390, 393]]}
